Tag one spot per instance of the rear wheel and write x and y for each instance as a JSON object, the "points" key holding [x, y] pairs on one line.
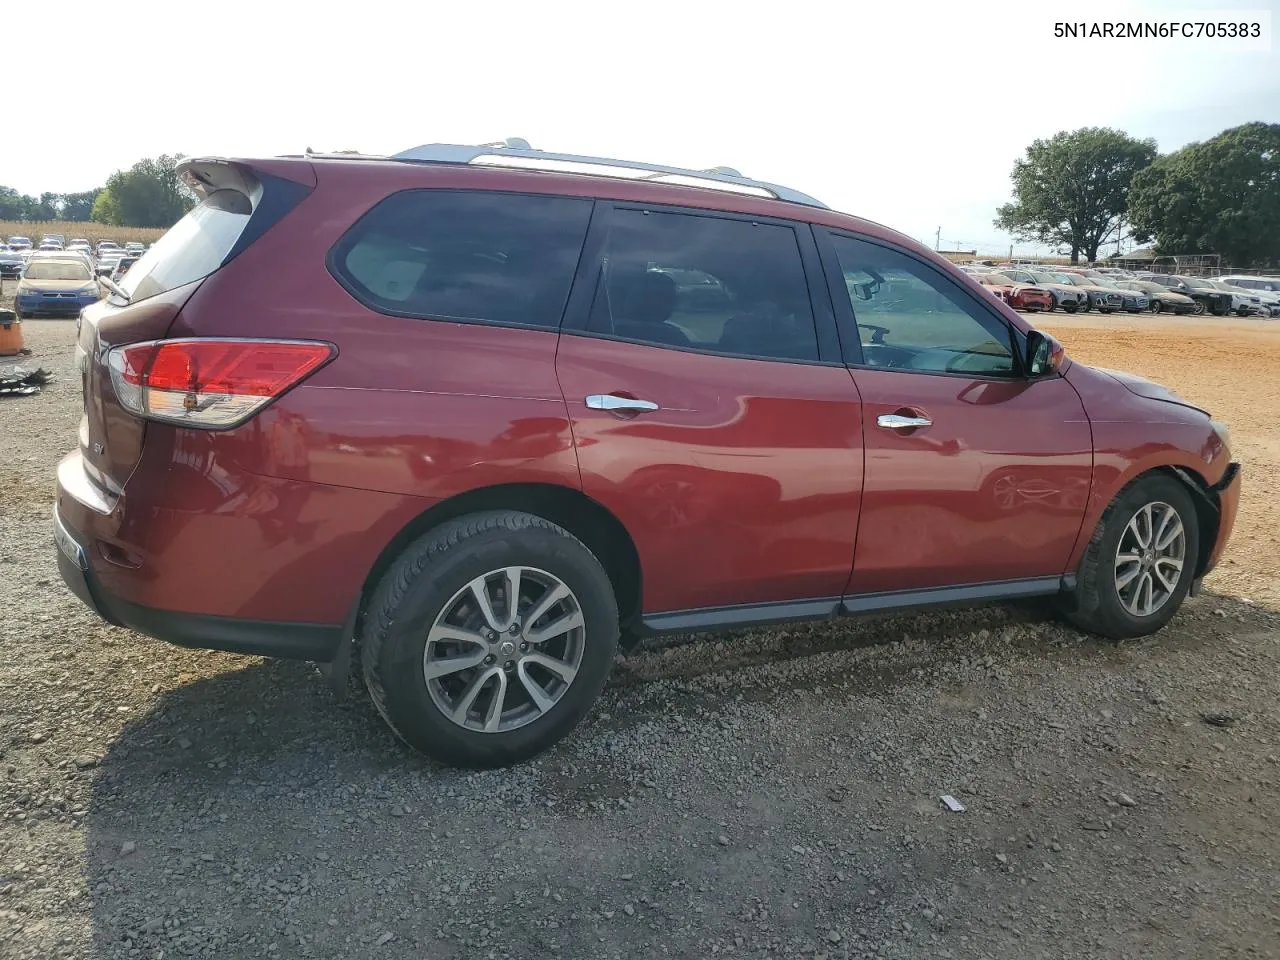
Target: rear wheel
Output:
{"points": [[1140, 563], [489, 639]]}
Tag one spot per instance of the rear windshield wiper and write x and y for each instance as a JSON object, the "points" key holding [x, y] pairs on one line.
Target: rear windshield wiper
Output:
{"points": [[115, 288]]}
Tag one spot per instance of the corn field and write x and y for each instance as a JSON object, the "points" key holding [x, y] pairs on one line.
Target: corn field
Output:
{"points": [[93, 232]]}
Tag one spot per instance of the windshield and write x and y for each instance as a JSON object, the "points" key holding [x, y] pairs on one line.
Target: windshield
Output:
{"points": [[193, 248], [56, 270], [1044, 278]]}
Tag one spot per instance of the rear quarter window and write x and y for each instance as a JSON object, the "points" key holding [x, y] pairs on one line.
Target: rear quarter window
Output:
{"points": [[465, 255]]}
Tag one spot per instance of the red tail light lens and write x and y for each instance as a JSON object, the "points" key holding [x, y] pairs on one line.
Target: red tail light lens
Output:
{"points": [[207, 382]]}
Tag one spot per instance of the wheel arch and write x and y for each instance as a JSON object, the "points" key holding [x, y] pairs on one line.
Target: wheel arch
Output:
{"points": [[589, 521], [1208, 509], [1203, 496]]}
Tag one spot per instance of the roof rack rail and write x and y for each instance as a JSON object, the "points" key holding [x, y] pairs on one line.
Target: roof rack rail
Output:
{"points": [[515, 153]]}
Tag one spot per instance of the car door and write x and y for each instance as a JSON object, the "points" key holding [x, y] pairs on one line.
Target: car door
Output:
{"points": [[974, 473], [712, 412]]}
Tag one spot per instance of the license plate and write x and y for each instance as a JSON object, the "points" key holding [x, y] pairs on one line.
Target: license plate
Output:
{"points": [[67, 544]]}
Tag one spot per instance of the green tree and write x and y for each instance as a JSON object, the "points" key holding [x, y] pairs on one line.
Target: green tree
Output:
{"points": [[1073, 188], [48, 207], [105, 209], [1221, 196], [79, 206], [148, 194], [13, 205]]}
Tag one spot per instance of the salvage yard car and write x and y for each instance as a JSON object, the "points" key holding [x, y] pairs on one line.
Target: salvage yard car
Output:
{"points": [[1207, 297], [10, 262], [1020, 296], [1266, 289], [1160, 299], [1063, 295], [55, 285], [478, 416]]}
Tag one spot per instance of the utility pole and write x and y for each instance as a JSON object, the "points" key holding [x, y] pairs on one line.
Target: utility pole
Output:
{"points": [[937, 242]]}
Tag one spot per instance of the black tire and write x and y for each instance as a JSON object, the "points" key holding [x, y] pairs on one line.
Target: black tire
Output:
{"points": [[1053, 303], [1155, 306], [414, 592], [1200, 308], [1096, 606], [1085, 307]]}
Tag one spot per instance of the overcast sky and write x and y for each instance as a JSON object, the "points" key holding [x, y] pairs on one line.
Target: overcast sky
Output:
{"points": [[909, 113]]}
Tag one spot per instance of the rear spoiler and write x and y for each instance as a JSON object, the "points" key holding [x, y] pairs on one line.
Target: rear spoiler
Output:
{"points": [[267, 189], [205, 175]]}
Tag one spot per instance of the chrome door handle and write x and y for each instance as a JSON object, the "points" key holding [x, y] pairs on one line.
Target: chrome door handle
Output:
{"points": [[615, 404], [894, 421]]}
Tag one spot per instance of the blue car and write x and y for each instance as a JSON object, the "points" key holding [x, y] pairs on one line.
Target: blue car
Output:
{"points": [[59, 286]]}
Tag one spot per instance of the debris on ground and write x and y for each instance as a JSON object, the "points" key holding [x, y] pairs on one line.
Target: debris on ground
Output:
{"points": [[16, 380]]}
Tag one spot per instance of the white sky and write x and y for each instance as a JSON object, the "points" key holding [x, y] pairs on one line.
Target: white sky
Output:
{"points": [[910, 113]]}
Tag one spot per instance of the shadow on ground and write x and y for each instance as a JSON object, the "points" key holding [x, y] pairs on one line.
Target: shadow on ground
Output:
{"points": [[251, 814]]}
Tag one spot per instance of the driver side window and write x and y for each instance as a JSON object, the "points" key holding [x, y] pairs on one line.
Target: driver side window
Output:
{"points": [[912, 319]]}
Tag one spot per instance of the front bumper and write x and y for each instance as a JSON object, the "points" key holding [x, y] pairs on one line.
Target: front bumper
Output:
{"points": [[42, 306], [1228, 493]]}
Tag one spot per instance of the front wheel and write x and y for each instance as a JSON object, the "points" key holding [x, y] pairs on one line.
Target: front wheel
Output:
{"points": [[1156, 306], [1200, 308], [489, 639], [1139, 565]]}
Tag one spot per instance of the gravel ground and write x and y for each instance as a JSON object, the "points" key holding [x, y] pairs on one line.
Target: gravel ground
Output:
{"points": [[764, 794]]}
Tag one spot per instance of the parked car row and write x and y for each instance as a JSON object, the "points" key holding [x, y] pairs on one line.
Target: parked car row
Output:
{"points": [[1029, 286]]}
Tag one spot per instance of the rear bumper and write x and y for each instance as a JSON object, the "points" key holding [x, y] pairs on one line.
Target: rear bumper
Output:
{"points": [[217, 557], [267, 638]]}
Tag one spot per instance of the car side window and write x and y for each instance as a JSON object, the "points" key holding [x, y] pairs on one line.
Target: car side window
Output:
{"points": [[912, 318], [695, 282], [465, 255]]}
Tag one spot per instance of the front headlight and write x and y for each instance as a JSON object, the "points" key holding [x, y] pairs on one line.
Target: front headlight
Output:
{"points": [[1223, 432], [90, 291]]}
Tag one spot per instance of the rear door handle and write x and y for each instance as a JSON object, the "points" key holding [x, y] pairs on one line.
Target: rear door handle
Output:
{"points": [[616, 404], [895, 421]]}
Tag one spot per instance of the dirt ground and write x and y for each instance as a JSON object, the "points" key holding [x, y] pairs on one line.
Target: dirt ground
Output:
{"points": [[1232, 369], [763, 794]]}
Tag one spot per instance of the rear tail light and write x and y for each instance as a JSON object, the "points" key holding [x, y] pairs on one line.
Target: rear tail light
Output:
{"points": [[210, 383]]}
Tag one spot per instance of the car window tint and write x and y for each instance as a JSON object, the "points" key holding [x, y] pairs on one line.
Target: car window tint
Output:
{"points": [[912, 318], [705, 283], [497, 257]]}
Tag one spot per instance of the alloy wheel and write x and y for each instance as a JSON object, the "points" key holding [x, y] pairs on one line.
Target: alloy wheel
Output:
{"points": [[504, 650], [1149, 558]]}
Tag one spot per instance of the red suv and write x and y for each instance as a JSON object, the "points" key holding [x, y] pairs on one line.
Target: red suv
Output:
{"points": [[483, 415]]}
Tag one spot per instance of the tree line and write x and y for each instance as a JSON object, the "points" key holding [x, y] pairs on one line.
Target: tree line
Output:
{"points": [[1082, 189], [148, 194]]}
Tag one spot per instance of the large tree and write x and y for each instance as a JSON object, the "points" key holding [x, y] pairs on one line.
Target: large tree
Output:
{"points": [[14, 205], [79, 206], [1221, 196], [1073, 188], [148, 194]]}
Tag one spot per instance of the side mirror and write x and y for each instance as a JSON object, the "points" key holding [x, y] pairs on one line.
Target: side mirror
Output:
{"points": [[1044, 354]]}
